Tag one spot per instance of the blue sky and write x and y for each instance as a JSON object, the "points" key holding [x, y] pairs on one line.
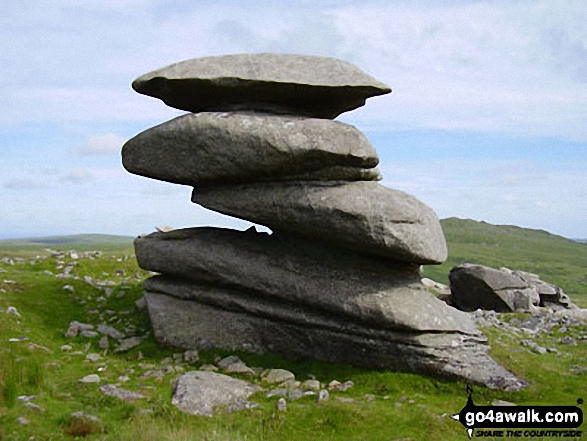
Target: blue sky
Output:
{"points": [[487, 119]]}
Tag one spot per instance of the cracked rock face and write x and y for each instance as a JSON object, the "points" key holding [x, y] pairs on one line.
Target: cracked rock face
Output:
{"points": [[339, 278]]}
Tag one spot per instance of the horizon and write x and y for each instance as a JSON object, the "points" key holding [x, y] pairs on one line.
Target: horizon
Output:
{"points": [[486, 120]]}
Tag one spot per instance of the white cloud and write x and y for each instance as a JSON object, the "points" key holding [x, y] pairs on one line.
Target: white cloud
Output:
{"points": [[102, 144]]}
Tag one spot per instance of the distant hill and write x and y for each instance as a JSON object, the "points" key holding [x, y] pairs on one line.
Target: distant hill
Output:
{"points": [[554, 258], [80, 242]]}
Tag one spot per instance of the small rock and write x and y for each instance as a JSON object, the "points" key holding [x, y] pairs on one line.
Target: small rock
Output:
{"points": [[34, 407], [534, 347], [89, 334], [93, 357], [128, 344], [75, 327], [273, 376], [123, 378], [69, 288], [323, 395], [110, 331], [239, 368], [502, 403], [567, 340], [141, 303], [12, 310], [311, 384], [241, 405], [281, 405], [85, 417], [22, 420], [369, 397], [191, 356], [333, 384], [208, 368], [26, 398], [103, 343], [92, 378], [227, 361], [112, 391]]}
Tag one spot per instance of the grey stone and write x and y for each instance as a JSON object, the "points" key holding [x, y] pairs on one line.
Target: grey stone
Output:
{"points": [[89, 334], [275, 376], [200, 392], [323, 395], [93, 357], [534, 347], [281, 405], [363, 216], [92, 378], [110, 331], [289, 279], [227, 361], [190, 356], [478, 286], [85, 417], [128, 343], [103, 343], [504, 290], [279, 83], [447, 355], [311, 384], [112, 390], [207, 148], [242, 405], [12, 310], [239, 368]]}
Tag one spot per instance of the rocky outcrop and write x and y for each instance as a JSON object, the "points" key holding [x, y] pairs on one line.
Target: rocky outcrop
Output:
{"points": [[339, 278], [503, 290]]}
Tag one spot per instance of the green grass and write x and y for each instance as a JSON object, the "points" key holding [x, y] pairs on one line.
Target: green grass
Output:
{"points": [[555, 259], [406, 406]]}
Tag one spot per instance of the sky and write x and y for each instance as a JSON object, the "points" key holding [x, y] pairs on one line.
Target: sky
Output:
{"points": [[487, 119]]}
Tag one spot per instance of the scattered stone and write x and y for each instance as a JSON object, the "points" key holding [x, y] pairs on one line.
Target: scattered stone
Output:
{"points": [[128, 343], [502, 403], [208, 368], [13, 310], [123, 378], [141, 303], [34, 407], [110, 331], [281, 405], [75, 327], [104, 343], [92, 378], [274, 376], [534, 347], [22, 420], [199, 392], [112, 390], [225, 362], [85, 417], [311, 384], [239, 368], [89, 334], [323, 395], [242, 405], [567, 340], [93, 357], [369, 397], [333, 384], [26, 398], [340, 387], [69, 288], [190, 356]]}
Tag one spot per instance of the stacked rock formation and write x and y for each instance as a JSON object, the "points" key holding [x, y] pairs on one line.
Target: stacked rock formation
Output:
{"points": [[339, 277]]}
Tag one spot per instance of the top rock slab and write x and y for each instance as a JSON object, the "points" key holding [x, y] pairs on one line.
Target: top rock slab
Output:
{"points": [[318, 87]]}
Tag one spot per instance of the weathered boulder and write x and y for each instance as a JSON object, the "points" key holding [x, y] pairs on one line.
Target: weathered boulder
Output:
{"points": [[363, 216], [287, 276], [278, 83], [445, 355], [503, 290], [200, 392], [479, 287], [211, 147]]}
